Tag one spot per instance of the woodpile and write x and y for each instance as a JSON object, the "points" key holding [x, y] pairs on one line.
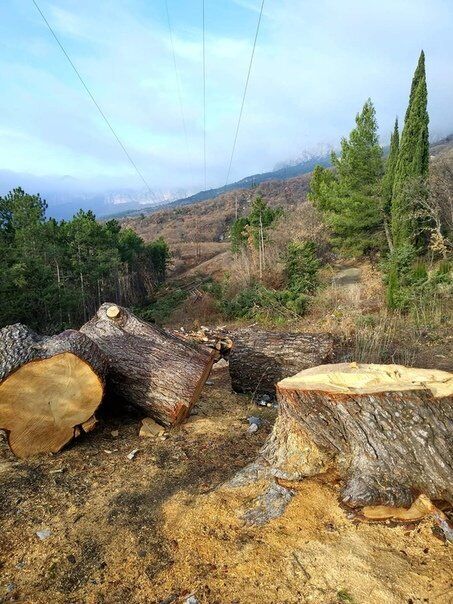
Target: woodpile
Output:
{"points": [[259, 359], [384, 430], [217, 340], [51, 387]]}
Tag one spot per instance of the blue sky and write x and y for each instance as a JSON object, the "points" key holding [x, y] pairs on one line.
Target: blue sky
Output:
{"points": [[316, 63]]}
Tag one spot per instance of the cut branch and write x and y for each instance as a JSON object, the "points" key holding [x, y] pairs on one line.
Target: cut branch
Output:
{"points": [[385, 429], [149, 367], [49, 386]]}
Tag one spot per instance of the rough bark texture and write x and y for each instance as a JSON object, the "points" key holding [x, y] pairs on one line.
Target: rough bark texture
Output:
{"points": [[259, 359], [49, 386], [149, 367], [385, 429]]}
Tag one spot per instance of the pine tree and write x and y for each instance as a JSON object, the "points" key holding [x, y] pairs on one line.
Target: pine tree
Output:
{"points": [[412, 164], [349, 198]]}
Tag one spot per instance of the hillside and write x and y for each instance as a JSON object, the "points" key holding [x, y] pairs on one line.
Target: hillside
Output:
{"points": [[209, 220], [249, 182], [198, 231]]}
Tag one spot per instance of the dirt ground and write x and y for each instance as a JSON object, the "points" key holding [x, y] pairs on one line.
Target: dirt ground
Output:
{"points": [[163, 526]]}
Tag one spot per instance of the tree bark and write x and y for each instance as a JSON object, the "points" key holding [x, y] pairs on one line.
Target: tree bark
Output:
{"points": [[386, 430], [49, 387], [259, 359], [149, 367]]}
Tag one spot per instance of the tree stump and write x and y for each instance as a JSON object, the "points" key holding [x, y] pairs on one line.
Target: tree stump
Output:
{"points": [[259, 359], [385, 430], [149, 367], [49, 387]]}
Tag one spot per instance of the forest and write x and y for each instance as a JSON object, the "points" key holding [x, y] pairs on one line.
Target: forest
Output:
{"points": [[54, 275]]}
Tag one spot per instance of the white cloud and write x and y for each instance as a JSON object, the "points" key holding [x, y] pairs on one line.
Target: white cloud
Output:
{"points": [[315, 65]]}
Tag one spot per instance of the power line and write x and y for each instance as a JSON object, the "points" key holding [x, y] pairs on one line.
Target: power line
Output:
{"points": [[104, 117], [204, 96], [245, 93], [178, 82]]}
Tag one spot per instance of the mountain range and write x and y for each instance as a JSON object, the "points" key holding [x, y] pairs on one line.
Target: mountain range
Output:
{"points": [[66, 195]]}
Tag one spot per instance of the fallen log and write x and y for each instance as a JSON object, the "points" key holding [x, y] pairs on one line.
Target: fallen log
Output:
{"points": [[385, 430], [148, 366], [259, 359], [49, 388]]}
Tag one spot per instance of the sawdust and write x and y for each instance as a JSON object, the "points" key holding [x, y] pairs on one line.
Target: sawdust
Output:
{"points": [[161, 526], [312, 553]]}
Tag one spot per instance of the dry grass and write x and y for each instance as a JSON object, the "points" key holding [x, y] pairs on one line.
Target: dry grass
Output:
{"points": [[210, 220]]}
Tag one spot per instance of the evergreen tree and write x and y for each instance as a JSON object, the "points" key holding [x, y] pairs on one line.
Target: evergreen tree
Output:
{"points": [[412, 164], [389, 176], [349, 198], [256, 224], [388, 180]]}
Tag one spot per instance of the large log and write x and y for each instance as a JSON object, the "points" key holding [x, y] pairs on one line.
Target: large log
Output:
{"points": [[386, 430], [148, 366], [259, 359], [49, 387]]}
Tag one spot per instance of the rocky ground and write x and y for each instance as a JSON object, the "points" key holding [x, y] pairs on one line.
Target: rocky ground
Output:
{"points": [[163, 526]]}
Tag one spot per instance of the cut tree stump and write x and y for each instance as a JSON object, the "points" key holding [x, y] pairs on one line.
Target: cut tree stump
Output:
{"points": [[386, 430], [259, 359], [149, 367], [50, 388]]}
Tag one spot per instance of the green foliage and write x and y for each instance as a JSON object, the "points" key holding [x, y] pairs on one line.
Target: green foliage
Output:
{"points": [[412, 162], [238, 234], [260, 219], [161, 309], [158, 254], [259, 303], [350, 197], [54, 275], [397, 268], [301, 267], [389, 176], [410, 283]]}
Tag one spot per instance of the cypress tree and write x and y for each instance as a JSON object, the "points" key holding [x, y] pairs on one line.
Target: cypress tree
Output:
{"points": [[412, 164], [387, 183], [389, 176], [419, 73]]}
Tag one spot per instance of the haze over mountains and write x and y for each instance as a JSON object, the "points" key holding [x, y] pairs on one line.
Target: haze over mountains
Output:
{"points": [[66, 195]]}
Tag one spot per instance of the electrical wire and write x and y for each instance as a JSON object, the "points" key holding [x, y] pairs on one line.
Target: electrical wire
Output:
{"points": [[178, 83], [244, 94], [90, 94], [204, 96]]}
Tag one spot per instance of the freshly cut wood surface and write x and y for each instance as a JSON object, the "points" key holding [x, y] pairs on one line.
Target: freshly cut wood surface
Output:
{"points": [[259, 359], [386, 430], [368, 379], [49, 386], [148, 366]]}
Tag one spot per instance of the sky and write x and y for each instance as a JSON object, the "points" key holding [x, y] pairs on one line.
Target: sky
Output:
{"points": [[316, 63]]}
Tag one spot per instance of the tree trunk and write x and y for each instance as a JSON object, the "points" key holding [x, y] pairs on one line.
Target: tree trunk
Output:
{"points": [[386, 430], [149, 367], [49, 386], [259, 359]]}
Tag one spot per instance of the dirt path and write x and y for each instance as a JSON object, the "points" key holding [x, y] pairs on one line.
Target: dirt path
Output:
{"points": [[160, 527]]}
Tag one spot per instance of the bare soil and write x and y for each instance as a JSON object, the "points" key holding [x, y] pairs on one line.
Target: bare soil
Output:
{"points": [[163, 526]]}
